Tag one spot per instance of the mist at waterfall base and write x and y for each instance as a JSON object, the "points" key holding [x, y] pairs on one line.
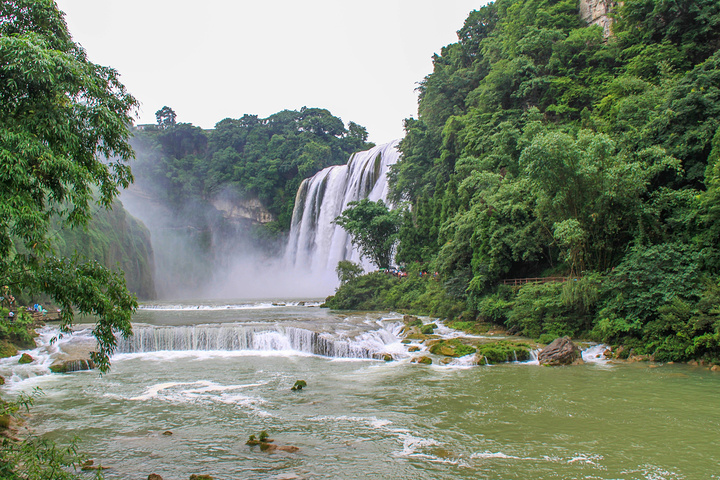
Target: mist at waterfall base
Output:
{"points": [[200, 254]]}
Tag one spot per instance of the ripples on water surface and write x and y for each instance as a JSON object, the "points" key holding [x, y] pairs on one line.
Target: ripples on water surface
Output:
{"points": [[370, 419]]}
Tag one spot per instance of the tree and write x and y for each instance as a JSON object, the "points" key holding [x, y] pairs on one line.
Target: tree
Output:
{"points": [[347, 270], [373, 228], [165, 117], [64, 129]]}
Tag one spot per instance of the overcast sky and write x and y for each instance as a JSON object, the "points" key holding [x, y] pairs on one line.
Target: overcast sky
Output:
{"points": [[214, 59]]}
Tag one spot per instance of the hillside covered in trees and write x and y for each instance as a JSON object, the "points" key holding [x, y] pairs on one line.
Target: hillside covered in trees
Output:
{"points": [[249, 157], [543, 147]]}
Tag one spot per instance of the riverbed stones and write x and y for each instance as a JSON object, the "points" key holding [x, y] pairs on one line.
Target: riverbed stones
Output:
{"points": [[411, 349], [562, 351], [25, 358], [73, 365], [154, 476], [200, 477], [424, 360]]}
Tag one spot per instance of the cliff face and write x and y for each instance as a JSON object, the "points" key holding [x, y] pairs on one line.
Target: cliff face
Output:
{"points": [[243, 210], [596, 12]]}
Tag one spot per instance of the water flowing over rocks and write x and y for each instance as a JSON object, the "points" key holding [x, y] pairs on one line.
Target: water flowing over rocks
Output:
{"points": [[249, 337], [316, 244], [562, 351]]}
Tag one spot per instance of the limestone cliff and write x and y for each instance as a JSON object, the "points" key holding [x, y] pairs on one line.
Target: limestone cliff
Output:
{"points": [[243, 210], [596, 12]]}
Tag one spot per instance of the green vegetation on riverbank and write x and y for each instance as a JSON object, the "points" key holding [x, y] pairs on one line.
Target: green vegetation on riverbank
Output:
{"points": [[543, 148]]}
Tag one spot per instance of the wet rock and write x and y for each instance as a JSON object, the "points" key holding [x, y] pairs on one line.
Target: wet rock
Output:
{"points": [[299, 385], [200, 477], [269, 447], [25, 358], [2, 380], [693, 363], [75, 365], [446, 360], [405, 341], [411, 319], [414, 348], [89, 465], [417, 336], [7, 349], [167, 433], [423, 360], [387, 357], [428, 329], [715, 368], [154, 476], [639, 358], [562, 351], [451, 348]]}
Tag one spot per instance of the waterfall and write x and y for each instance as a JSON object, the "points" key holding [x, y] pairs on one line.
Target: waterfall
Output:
{"points": [[316, 244], [254, 338]]}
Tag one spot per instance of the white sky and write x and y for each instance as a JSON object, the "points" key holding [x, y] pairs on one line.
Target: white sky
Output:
{"points": [[213, 59]]}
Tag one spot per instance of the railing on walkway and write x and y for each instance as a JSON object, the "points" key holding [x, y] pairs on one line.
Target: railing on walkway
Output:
{"points": [[523, 281]]}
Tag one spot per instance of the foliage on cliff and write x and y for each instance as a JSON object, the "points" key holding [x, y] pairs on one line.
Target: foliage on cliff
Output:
{"points": [[246, 157], [543, 148], [116, 240]]}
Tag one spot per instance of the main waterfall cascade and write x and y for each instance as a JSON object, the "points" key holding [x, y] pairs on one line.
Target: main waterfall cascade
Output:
{"points": [[316, 244]]}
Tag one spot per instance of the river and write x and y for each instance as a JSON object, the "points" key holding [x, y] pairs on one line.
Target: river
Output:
{"points": [[213, 373]]}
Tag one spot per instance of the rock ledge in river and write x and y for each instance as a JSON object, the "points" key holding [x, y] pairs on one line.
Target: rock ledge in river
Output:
{"points": [[562, 351]]}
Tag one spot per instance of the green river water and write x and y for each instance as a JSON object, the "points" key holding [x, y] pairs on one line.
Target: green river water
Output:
{"points": [[367, 419]]}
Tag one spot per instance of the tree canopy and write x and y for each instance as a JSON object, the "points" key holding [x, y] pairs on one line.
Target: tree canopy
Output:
{"points": [[373, 228], [263, 158], [64, 130]]}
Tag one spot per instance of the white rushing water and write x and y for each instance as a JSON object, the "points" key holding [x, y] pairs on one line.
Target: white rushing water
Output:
{"points": [[316, 244]]}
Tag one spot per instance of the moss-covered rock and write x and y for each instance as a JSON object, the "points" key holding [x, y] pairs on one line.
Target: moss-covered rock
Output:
{"points": [[422, 360], [413, 348], [7, 349], [428, 329], [503, 351], [451, 348], [25, 358]]}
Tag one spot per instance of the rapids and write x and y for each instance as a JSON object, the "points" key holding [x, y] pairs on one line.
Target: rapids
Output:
{"points": [[215, 373]]}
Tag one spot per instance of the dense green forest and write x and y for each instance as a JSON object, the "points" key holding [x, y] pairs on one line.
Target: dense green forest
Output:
{"points": [[249, 157], [542, 148]]}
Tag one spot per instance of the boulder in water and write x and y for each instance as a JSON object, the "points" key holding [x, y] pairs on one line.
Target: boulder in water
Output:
{"points": [[67, 366], [562, 351], [414, 348], [25, 358], [200, 477], [154, 476], [423, 360], [2, 380], [299, 385]]}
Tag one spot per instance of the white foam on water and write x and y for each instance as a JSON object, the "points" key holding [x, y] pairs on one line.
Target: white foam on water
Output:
{"points": [[411, 445], [594, 354], [653, 472], [372, 422], [172, 355], [488, 454], [206, 392], [199, 307]]}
